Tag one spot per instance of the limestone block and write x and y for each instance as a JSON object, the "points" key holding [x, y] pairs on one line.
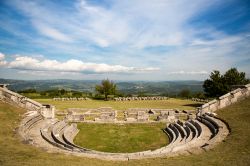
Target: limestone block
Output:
{"points": [[205, 107], [48, 111], [225, 100], [236, 95], [213, 105]]}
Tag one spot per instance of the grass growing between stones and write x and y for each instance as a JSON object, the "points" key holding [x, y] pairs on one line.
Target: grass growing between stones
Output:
{"points": [[122, 105], [235, 150], [120, 138]]}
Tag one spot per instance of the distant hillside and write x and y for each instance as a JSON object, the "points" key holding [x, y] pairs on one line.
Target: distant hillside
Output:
{"points": [[129, 87]]}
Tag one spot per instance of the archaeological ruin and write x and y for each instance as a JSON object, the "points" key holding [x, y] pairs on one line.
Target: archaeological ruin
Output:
{"points": [[188, 133]]}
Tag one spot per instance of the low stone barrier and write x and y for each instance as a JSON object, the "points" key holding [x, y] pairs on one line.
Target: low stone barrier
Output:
{"points": [[200, 100], [70, 98], [225, 100], [140, 98], [13, 98]]}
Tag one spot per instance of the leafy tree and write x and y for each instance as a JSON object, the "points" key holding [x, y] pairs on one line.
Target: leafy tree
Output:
{"points": [[214, 87], [106, 88], [219, 84], [234, 77]]}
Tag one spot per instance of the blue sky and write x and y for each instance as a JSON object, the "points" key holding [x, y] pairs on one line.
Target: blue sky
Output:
{"points": [[123, 40]]}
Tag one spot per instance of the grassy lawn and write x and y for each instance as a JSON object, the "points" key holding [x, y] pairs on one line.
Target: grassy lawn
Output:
{"points": [[122, 105], [235, 150], [121, 137]]}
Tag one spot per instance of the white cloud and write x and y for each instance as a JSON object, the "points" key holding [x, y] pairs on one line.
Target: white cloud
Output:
{"points": [[2, 59], [189, 72], [2, 56], [30, 63], [136, 23], [126, 31], [51, 32]]}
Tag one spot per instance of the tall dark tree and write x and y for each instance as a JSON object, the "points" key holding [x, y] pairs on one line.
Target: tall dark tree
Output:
{"points": [[106, 88], [234, 77], [219, 84]]}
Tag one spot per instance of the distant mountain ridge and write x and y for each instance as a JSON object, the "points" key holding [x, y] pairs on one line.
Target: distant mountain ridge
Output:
{"points": [[126, 87]]}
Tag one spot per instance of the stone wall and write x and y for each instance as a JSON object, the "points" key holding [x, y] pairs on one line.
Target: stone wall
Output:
{"points": [[14, 98], [132, 115], [70, 98], [140, 98], [225, 100]]}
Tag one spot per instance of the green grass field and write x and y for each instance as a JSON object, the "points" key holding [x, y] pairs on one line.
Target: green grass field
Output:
{"points": [[121, 137], [123, 105], [235, 150]]}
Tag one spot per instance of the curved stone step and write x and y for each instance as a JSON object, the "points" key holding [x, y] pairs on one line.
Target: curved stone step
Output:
{"points": [[189, 133], [34, 121], [29, 118], [56, 134], [182, 131], [176, 132], [223, 131], [194, 131], [182, 134], [197, 126], [186, 129], [170, 133], [46, 134], [209, 125], [68, 136], [27, 124], [184, 138], [211, 120], [197, 141]]}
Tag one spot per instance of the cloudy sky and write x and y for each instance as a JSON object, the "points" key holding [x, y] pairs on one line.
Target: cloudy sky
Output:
{"points": [[123, 39]]}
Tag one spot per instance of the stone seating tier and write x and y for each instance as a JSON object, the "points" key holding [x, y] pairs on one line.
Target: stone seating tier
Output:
{"points": [[170, 134], [188, 132], [46, 135], [29, 122], [68, 136], [209, 125], [55, 133], [176, 131], [197, 126], [211, 120], [29, 118], [182, 136], [33, 121], [181, 130], [192, 128]]}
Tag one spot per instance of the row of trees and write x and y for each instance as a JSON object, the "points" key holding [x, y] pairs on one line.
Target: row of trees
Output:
{"points": [[219, 84]]}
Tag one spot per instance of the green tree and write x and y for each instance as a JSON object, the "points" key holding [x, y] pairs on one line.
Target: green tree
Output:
{"points": [[234, 77], [106, 88], [214, 87], [219, 84]]}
